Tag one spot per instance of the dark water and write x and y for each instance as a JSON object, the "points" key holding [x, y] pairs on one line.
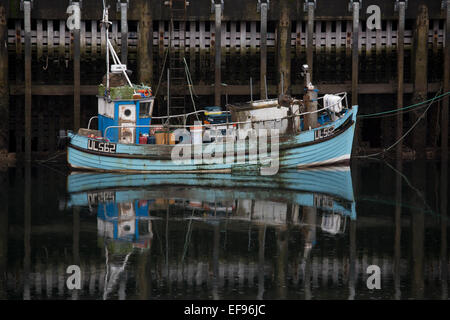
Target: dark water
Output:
{"points": [[299, 236]]}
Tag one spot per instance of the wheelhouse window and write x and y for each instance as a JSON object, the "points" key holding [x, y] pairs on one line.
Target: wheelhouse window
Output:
{"points": [[146, 108]]}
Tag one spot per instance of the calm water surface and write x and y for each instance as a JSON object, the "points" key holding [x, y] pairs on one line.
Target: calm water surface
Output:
{"points": [[299, 235]]}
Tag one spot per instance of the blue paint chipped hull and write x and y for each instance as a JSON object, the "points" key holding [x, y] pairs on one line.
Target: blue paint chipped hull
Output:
{"points": [[302, 150]]}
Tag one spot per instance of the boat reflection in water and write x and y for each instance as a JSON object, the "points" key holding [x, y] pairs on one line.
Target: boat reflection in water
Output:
{"points": [[132, 208]]}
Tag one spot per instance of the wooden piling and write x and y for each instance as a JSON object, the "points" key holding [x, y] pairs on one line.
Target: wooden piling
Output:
{"points": [[145, 44], [284, 48], [4, 82], [218, 54], [263, 51], [444, 157], [27, 25], [76, 77], [400, 74], [124, 32], [355, 52], [446, 75], [309, 37], [419, 69]]}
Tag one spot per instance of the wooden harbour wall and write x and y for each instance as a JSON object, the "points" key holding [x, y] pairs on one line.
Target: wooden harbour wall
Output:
{"points": [[249, 46]]}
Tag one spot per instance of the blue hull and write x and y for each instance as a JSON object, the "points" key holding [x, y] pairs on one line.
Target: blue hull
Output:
{"points": [[303, 150]]}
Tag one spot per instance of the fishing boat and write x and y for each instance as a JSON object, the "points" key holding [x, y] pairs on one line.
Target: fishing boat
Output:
{"points": [[265, 136]]}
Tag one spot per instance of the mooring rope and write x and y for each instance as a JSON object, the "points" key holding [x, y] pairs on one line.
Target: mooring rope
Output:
{"points": [[408, 131], [394, 111]]}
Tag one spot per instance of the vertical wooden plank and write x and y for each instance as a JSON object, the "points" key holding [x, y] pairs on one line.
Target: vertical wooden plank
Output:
{"points": [[115, 35], [232, 50], [145, 45], [93, 39], [124, 32], [218, 54], [263, 52], [420, 72], [233, 35], [39, 39], [243, 50], [446, 80], [328, 37], [339, 35], [76, 76], [389, 35], [18, 29], [202, 35], [192, 49], [318, 36], [284, 49], [4, 82], [243, 37], [355, 56], [103, 40], [298, 38], [348, 42], [369, 34], [62, 40], [161, 47], [50, 36], [223, 35], [378, 41], [253, 35], [27, 24], [310, 34], [182, 37], [83, 38], [400, 74]]}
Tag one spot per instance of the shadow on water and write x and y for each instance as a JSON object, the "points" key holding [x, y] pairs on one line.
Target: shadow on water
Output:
{"points": [[299, 235]]}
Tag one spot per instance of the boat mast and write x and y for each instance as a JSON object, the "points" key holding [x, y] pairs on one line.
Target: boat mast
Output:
{"points": [[106, 23], [119, 66]]}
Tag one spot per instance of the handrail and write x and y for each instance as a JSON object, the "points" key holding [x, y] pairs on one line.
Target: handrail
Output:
{"points": [[89, 123], [222, 124], [186, 114]]}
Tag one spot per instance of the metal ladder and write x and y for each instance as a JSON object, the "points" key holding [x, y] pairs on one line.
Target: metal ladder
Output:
{"points": [[177, 74]]}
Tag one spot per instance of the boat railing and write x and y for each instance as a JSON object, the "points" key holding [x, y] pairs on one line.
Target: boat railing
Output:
{"points": [[89, 123], [227, 124]]}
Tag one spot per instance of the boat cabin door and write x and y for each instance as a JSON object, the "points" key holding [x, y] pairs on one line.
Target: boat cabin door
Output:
{"points": [[127, 117]]}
